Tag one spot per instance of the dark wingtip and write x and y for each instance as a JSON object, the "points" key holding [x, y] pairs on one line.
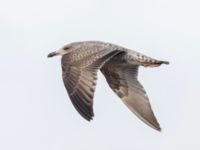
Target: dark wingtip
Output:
{"points": [[159, 129], [156, 127], [88, 118]]}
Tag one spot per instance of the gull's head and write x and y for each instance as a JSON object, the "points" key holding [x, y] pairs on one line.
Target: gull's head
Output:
{"points": [[62, 51]]}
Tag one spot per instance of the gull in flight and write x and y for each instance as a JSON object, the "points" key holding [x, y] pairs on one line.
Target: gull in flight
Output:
{"points": [[80, 64]]}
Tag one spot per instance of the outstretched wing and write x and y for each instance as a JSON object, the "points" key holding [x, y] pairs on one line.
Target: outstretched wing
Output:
{"points": [[122, 78], [80, 78]]}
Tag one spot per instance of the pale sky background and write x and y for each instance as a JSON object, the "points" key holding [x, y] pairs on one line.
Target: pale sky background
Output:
{"points": [[35, 111]]}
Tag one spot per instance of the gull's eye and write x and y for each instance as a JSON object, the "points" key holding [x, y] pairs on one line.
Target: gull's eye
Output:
{"points": [[66, 48]]}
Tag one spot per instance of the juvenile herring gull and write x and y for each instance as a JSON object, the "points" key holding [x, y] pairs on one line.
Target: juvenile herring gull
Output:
{"points": [[80, 64]]}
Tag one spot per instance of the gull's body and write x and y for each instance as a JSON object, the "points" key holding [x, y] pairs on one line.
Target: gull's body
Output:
{"points": [[80, 64]]}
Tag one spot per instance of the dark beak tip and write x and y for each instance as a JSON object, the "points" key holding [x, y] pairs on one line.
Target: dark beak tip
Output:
{"points": [[51, 54]]}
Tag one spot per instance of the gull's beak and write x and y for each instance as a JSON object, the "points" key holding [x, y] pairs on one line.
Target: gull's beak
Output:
{"points": [[52, 54]]}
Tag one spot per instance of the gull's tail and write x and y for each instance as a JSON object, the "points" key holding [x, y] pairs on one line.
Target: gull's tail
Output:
{"points": [[148, 61], [154, 63]]}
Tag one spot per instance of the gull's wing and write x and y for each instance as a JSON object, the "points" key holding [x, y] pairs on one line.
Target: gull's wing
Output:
{"points": [[122, 78], [80, 78]]}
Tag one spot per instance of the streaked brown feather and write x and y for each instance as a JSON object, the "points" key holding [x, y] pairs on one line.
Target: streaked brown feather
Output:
{"points": [[122, 78], [80, 80]]}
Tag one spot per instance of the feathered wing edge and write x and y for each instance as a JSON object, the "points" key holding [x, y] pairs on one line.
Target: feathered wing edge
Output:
{"points": [[80, 83], [122, 78]]}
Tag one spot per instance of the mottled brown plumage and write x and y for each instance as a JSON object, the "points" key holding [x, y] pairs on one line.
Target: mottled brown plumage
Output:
{"points": [[80, 64]]}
